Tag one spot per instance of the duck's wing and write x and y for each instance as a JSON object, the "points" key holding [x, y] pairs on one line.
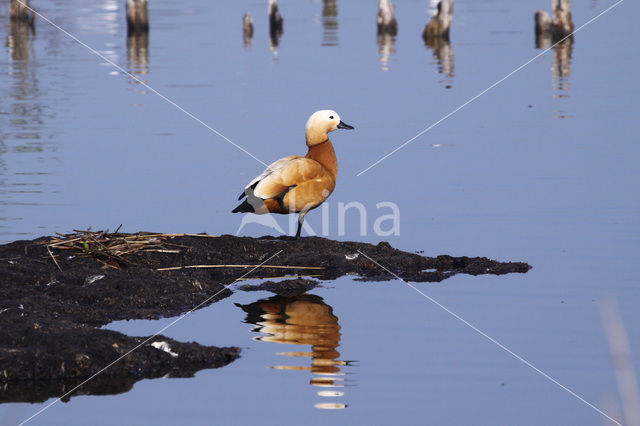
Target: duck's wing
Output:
{"points": [[290, 174], [276, 165]]}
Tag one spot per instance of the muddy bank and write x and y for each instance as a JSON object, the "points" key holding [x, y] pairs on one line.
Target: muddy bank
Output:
{"points": [[56, 292], [284, 288], [41, 358]]}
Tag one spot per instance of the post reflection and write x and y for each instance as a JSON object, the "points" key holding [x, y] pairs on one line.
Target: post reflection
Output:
{"points": [[386, 48], [436, 38], [22, 116], [303, 320], [561, 67], [25, 86], [330, 23], [443, 56], [138, 55], [387, 32], [556, 30], [138, 52]]}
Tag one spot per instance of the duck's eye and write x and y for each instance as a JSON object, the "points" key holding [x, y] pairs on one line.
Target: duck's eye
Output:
{"points": [[331, 117]]}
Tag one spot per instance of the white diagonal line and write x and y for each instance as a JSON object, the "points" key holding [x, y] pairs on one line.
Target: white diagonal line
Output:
{"points": [[500, 345], [489, 88], [122, 70], [156, 334]]}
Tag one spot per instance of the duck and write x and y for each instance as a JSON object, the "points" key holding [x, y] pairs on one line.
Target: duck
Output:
{"points": [[297, 184]]}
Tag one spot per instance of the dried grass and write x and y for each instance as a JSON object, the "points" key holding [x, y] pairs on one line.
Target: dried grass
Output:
{"points": [[114, 249]]}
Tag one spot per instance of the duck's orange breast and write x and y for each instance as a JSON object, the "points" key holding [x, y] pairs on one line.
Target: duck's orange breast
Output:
{"points": [[311, 182]]}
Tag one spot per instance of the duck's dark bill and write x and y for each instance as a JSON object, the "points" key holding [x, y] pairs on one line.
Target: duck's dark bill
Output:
{"points": [[343, 125]]}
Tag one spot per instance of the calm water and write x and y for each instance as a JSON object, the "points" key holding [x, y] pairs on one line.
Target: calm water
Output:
{"points": [[542, 169]]}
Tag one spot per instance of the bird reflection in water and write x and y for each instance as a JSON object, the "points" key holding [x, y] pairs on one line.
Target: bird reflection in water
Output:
{"points": [[303, 320]]}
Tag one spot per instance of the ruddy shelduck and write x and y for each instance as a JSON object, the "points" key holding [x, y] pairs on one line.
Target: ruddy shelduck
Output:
{"points": [[296, 184]]}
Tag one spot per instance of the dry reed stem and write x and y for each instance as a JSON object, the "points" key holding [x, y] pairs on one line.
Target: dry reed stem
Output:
{"points": [[278, 277], [54, 259], [178, 235], [622, 362], [175, 268], [110, 248]]}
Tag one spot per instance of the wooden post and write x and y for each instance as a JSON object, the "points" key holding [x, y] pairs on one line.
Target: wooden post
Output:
{"points": [[137, 16], [275, 19], [387, 23], [441, 23], [247, 29], [562, 20], [276, 22], [19, 11], [543, 26], [553, 28]]}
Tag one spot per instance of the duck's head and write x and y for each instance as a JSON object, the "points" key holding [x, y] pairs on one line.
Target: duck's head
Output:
{"points": [[321, 123]]}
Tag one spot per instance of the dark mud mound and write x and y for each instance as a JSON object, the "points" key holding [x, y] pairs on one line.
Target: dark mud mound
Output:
{"points": [[285, 288], [55, 292]]}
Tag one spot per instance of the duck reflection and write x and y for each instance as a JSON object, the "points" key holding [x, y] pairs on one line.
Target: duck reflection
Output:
{"points": [[330, 23], [303, 320]]}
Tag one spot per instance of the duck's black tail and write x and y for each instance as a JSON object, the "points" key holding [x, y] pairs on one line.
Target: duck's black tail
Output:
{"points": [[243, 208]]}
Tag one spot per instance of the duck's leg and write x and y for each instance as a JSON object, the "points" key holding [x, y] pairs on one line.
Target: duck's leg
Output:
{"points": [[301, 216]]}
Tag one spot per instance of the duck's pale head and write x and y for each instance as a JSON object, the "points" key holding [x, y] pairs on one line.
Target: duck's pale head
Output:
{"points": [[321, 123]]}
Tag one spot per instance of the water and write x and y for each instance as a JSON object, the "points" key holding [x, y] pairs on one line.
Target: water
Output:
{"points": [[541, 169]]}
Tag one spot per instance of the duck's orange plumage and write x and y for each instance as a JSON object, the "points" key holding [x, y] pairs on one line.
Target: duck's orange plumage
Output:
{"points": [[297, 184]]}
